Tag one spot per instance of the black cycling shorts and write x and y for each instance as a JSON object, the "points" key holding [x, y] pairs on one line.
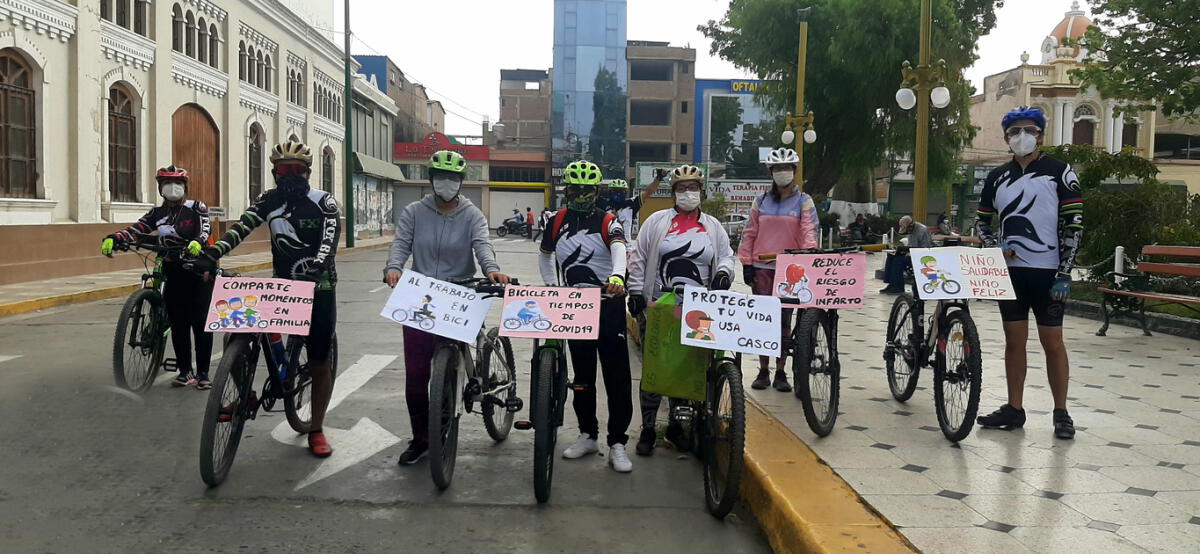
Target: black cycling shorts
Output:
{"points": [[324, 319], [1032, 286]]}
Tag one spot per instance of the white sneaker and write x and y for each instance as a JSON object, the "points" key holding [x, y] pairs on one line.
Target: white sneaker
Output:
{"points": [[583, 446], [619, 459]]}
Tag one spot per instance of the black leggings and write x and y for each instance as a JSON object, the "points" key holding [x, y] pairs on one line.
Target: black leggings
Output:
{"points": [[614, 362], [186, 296]]}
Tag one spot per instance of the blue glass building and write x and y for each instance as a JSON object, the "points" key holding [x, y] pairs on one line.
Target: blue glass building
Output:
{"points": [[590, 84]]}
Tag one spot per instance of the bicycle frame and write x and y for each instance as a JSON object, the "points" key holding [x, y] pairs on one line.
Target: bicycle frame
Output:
{"points": [[558, 346], [943, 308]]}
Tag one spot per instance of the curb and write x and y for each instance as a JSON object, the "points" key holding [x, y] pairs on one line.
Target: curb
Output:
{"points": [[800, 503], [25, 306]]}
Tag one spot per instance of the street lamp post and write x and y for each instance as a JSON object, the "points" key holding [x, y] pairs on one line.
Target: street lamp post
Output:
{"points": [[805, 119], [348, 142], [918, 88]]}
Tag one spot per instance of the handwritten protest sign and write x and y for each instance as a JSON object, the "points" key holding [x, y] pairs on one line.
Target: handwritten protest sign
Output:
{"points": [[821, 280], [725, 320], [961, 272], [258, 305], [550, 313], [438, 307]]}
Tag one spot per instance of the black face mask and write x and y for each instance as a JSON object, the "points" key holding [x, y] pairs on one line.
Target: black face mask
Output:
{"points": [[292, 184]]}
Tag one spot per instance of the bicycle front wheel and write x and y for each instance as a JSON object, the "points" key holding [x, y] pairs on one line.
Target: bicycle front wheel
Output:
{"points": [[951, 287], [140, 340], [900, 350], [545, 432], [816, 371], [297, 400], [957, 375], [724, 440], [230, 404], [498, 371], [443, 415]]}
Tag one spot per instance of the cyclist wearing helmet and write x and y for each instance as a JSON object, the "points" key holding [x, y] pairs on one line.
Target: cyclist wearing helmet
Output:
{"points": [[616, 200], [182, 223], [444, 235], [792, 219], [590, 247], [304, 235], [676, 247], [1041, 224]]}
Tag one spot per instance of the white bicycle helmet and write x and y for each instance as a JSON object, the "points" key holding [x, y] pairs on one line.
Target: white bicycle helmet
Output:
{"points": [[782, 156], [291, 151]]}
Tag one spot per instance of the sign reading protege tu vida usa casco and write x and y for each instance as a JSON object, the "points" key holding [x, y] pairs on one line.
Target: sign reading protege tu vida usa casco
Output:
{"points": [[961, 272], [259, 305], [551, 313], [828, 281], [724, 320], [437, 307]]}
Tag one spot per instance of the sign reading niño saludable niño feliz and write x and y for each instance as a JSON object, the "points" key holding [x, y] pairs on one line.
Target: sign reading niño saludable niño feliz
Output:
{"points": [[724, 320]]}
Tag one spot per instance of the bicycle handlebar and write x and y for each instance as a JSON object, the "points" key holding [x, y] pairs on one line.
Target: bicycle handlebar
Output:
{"points": [[484, 286], [156, 248], [840, 250]]}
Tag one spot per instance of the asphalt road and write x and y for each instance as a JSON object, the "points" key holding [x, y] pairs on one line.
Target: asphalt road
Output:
{"points": [[87, 467]]}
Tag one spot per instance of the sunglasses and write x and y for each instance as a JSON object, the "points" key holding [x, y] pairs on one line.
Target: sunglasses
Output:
{"points": [[688, 187], [290, 170], [1031, 130]]}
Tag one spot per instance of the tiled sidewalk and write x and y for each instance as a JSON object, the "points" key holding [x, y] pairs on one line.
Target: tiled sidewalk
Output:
{"points": [[1129, 482]]}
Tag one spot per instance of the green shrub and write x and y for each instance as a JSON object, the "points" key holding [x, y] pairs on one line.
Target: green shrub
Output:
{"points": [[1134, 216]]}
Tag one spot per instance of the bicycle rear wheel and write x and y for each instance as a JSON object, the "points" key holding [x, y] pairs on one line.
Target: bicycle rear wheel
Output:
{"points": [[230, 404], [498, 370], [957, 375], [443, 415], [297, 402], [900, 353], [816, 371], [140, 340], [545, 432], [724, 439]]}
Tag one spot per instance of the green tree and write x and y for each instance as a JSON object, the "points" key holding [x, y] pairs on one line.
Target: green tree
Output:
{"points": [[853, 70], [726, 117], [744, 161], [1149, 51], [1094, 165], [606, 143]]}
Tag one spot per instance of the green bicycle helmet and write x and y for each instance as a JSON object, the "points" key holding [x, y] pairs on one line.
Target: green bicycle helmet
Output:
{"points": [[581, 172], [448, 160], [618, 184], [927, 259]]}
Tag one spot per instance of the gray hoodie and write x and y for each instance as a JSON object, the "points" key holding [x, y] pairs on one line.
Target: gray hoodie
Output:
{"points": [[443, 247]]}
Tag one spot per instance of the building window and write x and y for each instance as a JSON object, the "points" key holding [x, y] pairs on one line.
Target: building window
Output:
{"points": [[190, 36], [650, 70], [683, 106], [140, 17], [122, 146], [242, 60], [214, 44], [177, 28], [254, 160], [683, 149], [18, 127], [1084, 110], [268, 72], [202, 43], [327, 169], [123, 13], [649, 112], [685, 68], [106, 9], [1129, 135]]}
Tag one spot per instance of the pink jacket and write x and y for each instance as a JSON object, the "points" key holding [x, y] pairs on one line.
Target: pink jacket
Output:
{"points": [[788, 224]]}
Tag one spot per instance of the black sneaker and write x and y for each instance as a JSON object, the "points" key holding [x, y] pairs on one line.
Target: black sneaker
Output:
{"points": [[1064, 426], [890, 290], [182, 380], [1007, 418], [762, 381], [781, 383], [416, 450], [677, 436], [645, 443]]}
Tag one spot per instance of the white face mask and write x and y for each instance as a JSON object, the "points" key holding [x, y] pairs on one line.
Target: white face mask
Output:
{"points": [[1023, 144], [783, 178], [172, 191], [446, 189], [687, 200]]}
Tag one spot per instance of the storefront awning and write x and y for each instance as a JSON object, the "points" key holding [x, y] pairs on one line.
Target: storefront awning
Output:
{"points": [[377, 167]]}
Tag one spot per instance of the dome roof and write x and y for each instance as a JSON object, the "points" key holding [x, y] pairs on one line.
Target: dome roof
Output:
{"points": [[1073, 24]]}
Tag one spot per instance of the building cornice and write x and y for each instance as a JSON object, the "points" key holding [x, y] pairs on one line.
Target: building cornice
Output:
{"points": [[331, 83], [125, 46], [297, 115], [45, 17], [257, 38], [327, 127], [302, 30], [258, 100], [364, 88], [296, 60], [204, 6], [193, 74]]}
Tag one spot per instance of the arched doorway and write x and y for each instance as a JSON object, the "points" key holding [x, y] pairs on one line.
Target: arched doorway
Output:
{"points": [[196, 146]]}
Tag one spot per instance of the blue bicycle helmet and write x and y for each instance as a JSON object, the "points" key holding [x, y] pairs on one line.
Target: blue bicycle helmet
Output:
{"points": [[1024, 112]]}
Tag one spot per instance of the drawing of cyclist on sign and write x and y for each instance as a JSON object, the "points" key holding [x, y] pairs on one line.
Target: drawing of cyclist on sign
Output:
{"points": [[936, 276], [796, 285], [700, 325], [527, 316]]}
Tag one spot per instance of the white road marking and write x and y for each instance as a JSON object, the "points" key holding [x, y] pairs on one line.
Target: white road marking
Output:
{"points": [[377, 289], [7, 357]]}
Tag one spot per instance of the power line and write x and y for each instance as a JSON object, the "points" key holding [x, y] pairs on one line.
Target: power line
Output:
{"points": [[427, 87]]}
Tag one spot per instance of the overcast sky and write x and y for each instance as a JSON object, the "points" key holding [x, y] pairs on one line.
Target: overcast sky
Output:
{"points": [[456, 48]]}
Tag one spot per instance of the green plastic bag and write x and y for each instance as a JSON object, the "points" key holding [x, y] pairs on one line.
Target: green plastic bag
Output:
{"points": [[668, 367]]}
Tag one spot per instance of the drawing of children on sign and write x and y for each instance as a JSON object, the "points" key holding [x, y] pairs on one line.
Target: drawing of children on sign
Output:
{"points": [[796, 285], [236, 315], [251, 314], [936, 276], [222, 309], [525, 315], [700, 324]]}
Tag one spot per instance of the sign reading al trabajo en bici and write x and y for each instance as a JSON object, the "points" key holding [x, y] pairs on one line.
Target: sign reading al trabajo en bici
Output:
{"points": [[550, 313], [826, 281], [438, 307], [961, 272], [725, 320], [260, 305]]}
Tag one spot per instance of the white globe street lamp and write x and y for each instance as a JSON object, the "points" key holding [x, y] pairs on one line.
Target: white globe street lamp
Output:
{"points": [[940, 97], [810, 136], [788, 137], [906, 98]]}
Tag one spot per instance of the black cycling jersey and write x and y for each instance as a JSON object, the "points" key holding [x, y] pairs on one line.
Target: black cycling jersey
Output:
{"points": [[173, 225], [304, 231]]}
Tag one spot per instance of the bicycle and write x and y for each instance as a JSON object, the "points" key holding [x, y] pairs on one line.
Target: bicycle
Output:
{"points": [[492, 386], [816, 367], [140, 340], [540, 323], [952, 340], [233, 400], [423, 319], [949, 286]]}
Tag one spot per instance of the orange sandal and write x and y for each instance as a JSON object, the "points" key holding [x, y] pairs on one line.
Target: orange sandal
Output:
{"points": [[318, 445]]}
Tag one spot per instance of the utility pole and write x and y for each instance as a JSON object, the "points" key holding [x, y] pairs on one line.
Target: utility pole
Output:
{"points": [[348, 143], [802, 122], [921, 169]]}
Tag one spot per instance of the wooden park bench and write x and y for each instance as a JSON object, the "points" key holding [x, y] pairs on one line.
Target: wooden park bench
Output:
{"points": [[1128, 294]]}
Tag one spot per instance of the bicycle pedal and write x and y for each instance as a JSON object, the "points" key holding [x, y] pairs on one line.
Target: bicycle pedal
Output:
{"points": [[523, 425], [514, 405]]}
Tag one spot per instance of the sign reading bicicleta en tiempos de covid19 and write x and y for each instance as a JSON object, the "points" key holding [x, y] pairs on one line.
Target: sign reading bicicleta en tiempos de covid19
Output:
{"points": [[551, 313]]}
